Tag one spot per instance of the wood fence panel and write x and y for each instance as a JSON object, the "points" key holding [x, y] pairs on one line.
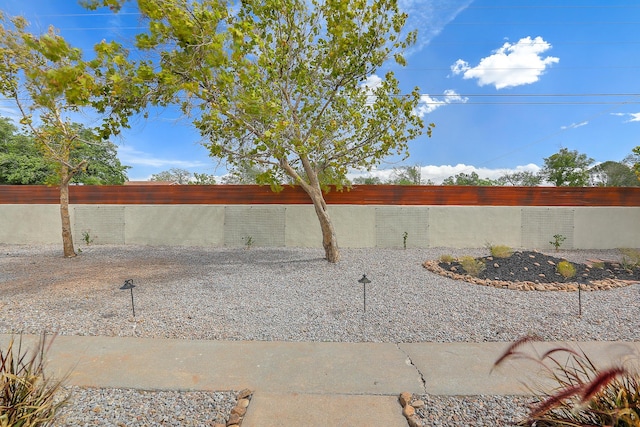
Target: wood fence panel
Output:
{"points": [[358, 195]]}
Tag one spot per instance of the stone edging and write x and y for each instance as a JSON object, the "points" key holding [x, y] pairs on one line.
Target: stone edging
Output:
{"points": [[409, 406], [597, 285], [238, 412]]}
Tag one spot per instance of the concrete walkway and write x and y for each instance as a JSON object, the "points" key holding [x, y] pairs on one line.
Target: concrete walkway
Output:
{"points": [[350, 384]]}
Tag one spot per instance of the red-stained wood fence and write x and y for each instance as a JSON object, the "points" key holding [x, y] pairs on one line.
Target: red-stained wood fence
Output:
{"points": [[357, 195]]}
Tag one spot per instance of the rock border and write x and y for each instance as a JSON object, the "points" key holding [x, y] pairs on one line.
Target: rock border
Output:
{"points": [[238, 412], [409, 406], [596, 285]]}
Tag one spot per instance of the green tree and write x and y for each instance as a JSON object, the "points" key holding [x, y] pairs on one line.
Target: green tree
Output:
{"points": [[203, 179], [244, 173], [633, 161], [520, 179], [289, 85], [367, 180], [567, 168], [613, 174], [173, 175], [49, 81], [468, 179], [21, 161], [407, 175]]}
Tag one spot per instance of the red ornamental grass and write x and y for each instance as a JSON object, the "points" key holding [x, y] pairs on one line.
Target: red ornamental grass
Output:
{"points": [[585, 396]]}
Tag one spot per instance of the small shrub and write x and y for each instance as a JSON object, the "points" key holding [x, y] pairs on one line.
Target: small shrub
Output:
{"points": [[501, 251], [405, 236], [566, 269], [472, 266], [87, 238], [248, 242], [584, 395], [557, 241], [598, 264], [27, 397], [630, 258], [447, 258]]}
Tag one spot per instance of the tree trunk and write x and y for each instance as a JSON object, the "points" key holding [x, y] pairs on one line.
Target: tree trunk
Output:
{"points": [[67, 238], [329, 240]]}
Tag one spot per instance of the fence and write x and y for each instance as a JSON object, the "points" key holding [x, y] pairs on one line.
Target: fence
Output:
{"points": [[365, 216]]}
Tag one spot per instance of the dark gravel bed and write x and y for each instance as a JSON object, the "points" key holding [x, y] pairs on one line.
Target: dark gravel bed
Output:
{"points": [[529, 266]]}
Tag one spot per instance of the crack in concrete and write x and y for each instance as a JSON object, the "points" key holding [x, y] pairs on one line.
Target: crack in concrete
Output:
{"points": [[410, 362]]}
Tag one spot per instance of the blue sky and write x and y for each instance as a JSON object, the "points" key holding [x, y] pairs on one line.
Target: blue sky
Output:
{"points": [[507, 83]]}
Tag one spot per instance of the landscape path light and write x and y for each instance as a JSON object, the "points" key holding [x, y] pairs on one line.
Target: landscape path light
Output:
{"points": [[364, 282], [128, 284]]}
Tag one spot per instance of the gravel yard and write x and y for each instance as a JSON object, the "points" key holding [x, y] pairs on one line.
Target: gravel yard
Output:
{"points": [[293, 294]]}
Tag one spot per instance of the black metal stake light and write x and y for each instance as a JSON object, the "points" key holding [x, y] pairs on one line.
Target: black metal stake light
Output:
{"points": [[364, 282], [128, 284], [579, 300]]}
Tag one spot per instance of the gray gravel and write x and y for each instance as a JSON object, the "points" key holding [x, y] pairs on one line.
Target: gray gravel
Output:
{"points": [[293, 294], [126, 407], [470, 411]]}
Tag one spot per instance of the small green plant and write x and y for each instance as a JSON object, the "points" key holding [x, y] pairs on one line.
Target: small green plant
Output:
{"points": [[248, 242], [447, 258], [566, 269], [557, 241], [630, 258], [500, 251], [583, 395], [87, 237], [27, 397], [472, 266], [598, 265], [404, 239]]}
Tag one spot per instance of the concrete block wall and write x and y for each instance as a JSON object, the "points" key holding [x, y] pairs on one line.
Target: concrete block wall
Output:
{"points": [[356, 225]]}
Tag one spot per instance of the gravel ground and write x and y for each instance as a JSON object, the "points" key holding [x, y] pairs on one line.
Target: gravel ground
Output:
{"points": [[472, 410], [293, 294], [126, 407]]}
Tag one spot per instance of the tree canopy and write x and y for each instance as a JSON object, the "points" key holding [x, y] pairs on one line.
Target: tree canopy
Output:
{"points": [[613, 174], [49, 81], [183, 176], [289, 85], [22, 162], [567, 168], [468, 179]]}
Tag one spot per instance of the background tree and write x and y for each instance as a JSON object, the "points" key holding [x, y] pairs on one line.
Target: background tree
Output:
{"points": [[367, 180], [287, 84], [468, 179], [406, 175], [633, 161], [21, 162], [173, 175], [612, 174], [183, 177], [244, 173], [567, 168], [49, 82], [203, 179], [520, 179]]}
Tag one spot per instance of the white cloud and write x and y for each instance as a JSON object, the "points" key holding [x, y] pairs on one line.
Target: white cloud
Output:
{"points": [[634, 117], [131, 156], [437, 174], [509, 66], [430, 18], [428, 103], [574, 125]]}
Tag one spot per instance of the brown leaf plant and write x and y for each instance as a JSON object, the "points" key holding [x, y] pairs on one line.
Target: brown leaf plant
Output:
{"points": [[28, 398], [583, 396]]}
